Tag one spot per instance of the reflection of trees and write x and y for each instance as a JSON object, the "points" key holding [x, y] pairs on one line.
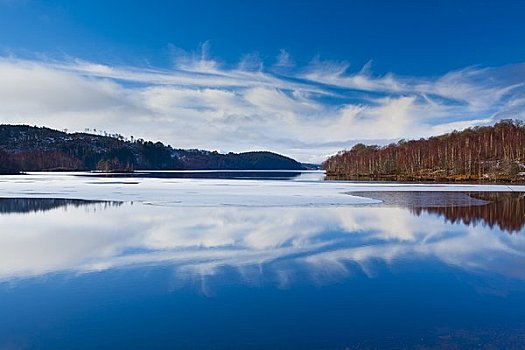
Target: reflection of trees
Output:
{"points": [[32, 205], [504, 210]]}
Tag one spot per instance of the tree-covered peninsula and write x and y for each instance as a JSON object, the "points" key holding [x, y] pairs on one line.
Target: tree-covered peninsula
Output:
{"points": [[487, 153]]}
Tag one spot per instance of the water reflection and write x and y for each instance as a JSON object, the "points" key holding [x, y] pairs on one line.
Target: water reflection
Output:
{"points": [[325, 242], [142, 276], [503, 210], [33, 205]]}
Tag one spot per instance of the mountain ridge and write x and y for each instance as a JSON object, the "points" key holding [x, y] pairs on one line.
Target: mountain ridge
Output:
{"points": [[31, 148]]}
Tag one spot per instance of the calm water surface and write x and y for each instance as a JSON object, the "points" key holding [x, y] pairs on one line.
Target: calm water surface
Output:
{"points": [[422, 270]]}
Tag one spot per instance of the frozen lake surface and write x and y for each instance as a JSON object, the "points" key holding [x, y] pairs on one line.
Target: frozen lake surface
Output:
{"points": [[305, 190]]}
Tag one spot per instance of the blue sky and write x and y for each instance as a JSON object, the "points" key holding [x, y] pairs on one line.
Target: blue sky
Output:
{"points": [[303, 78]]}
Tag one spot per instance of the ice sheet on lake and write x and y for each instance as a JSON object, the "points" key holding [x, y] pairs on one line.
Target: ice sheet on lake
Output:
{"points": [[211, 192]]}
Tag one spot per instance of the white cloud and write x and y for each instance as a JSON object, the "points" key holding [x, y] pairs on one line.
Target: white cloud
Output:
{"points": [[33, 87], [284, 60], [306, 113]]}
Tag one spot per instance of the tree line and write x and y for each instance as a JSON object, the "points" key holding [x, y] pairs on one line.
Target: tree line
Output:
{"points": [[481, 153]]}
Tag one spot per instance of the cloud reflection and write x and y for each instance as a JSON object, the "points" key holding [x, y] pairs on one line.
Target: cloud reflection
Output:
{"points": [[199, 242]]}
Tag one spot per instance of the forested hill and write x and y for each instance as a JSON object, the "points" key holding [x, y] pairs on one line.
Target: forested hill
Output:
{"points": [[492, 153], [26, 148]]}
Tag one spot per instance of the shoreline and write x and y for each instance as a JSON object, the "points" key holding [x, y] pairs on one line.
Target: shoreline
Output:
{"points": [[425, 179]]}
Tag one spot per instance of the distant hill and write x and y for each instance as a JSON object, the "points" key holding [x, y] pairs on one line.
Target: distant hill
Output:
{"points": [[27, 148], [490, 153]]}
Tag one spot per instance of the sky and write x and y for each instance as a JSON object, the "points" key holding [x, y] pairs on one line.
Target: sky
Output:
{"points": [[301, 78]]}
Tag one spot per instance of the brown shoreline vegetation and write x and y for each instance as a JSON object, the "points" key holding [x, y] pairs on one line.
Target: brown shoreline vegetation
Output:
{"points": [[480, 154]]}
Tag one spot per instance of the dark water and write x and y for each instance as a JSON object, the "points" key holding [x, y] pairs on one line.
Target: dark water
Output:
{"points": [[211, 174], [423, 270]]}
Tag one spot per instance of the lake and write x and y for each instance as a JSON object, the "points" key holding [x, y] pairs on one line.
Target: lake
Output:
{"points": [[274, 260]]}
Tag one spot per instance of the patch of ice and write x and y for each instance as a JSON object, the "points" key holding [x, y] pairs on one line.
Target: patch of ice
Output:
{"points": [[213, 192]]}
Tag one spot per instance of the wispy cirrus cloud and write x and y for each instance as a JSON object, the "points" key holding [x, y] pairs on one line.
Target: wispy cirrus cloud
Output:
{"points": [[305, 112]]}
